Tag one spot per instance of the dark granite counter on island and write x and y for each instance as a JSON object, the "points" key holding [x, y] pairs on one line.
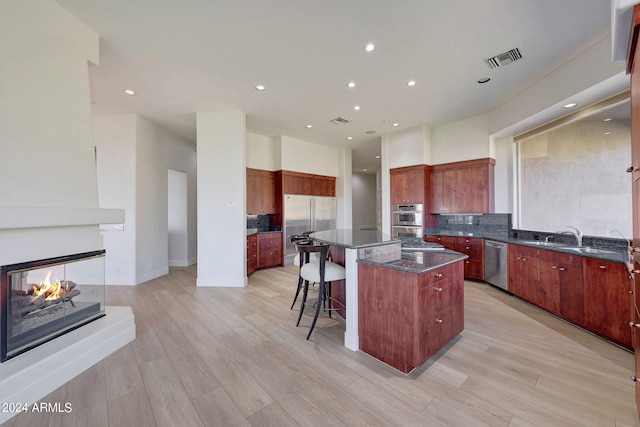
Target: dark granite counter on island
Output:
{"points": [[415, 262]]}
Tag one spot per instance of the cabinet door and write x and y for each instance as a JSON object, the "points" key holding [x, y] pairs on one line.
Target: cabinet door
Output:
{"points": [[252, 253], [548, 287], [608, 282], [474, 248], [254, 193], [523, 272], [408, 186], [268, 194], [571, 287]]}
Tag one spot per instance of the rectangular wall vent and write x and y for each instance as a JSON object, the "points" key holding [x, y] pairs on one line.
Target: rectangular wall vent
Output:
{"points": [[340, 121], [504, 58]]}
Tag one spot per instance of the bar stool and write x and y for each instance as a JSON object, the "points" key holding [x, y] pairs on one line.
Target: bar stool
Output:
{"points": [[323, 272], [293, 238]]}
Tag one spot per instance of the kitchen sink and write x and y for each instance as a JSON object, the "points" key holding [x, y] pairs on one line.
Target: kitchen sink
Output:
{"points": [[587, 250], [541, 243]]}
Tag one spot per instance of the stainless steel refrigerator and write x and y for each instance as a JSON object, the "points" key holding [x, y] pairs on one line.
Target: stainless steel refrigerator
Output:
{"points": [[303, 213]]}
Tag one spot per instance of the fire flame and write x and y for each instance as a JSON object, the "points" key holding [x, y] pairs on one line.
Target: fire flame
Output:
{"points": [[51, 291]]}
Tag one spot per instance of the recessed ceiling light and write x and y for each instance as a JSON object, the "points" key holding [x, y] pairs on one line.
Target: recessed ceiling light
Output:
{"points": [[608, 119], [349, 138], [370, 132], [395, 125], [483, 80], [607, 133], [570, 105], [309, 126], [411, 83], [261, 88], [369, 47], [356, 107], [364, 170], [377, 157], [130, 92], [351, 84]]}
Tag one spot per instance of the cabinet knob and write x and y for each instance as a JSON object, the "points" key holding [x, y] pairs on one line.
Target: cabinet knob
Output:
{"points": [[438, 320], [438, 289], [602, 267], [524, 259], [562, 269], [438, 274], [554, 266]]}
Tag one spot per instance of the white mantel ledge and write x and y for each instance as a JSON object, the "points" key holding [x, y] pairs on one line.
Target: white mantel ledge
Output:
{"points": [[40, 217]]}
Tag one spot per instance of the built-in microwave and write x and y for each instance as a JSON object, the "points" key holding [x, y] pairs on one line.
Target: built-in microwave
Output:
{"points": [[409, 215]]}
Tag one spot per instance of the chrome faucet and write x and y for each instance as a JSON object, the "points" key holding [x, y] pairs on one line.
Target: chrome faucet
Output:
{"points": [[577, 235]]}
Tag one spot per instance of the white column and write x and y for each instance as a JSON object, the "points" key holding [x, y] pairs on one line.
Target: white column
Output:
{"points": [[221, 198]]}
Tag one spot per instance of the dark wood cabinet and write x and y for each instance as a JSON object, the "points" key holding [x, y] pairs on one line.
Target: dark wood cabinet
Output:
{"points": [[252, 253], [261, 190], [409, 184], [464, 187], [406, 318], [524, 272], [633, 59], [307, 184], [589, 292], [269, 249], [608, 282], [471, 246]]}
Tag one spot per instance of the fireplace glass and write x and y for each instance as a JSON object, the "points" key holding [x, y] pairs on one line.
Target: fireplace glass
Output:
{"points": [[44, 299]]}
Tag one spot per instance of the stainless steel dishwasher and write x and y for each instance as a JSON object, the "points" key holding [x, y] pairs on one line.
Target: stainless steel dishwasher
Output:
{"points": [[495, 264]]}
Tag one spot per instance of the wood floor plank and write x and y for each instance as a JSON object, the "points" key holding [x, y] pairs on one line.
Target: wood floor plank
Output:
{"points": [[233, 356], [169, 401], [132, 409]]}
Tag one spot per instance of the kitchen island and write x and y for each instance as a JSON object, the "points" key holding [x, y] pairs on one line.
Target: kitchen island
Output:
{"points": [[351, 245], [401, 307], [410, 308]]}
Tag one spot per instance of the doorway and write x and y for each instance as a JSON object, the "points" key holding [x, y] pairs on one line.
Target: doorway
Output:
{"points": [[177, 219]]}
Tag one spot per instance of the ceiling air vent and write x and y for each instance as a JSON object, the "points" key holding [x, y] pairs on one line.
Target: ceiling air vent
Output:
{"points": [[504, 58], [340, 121]]}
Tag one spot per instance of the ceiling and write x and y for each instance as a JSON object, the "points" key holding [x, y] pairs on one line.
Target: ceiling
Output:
{"points": [[182, 56]]}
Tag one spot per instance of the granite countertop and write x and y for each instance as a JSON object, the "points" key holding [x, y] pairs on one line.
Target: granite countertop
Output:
{"points": [[354, 239], [613, 255], [251, 231], [415, 262]]}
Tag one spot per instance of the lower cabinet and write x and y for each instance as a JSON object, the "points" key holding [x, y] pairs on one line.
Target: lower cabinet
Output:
{"points": [[252, 253], [269, 249], [405, 318], [608, 300], [589, 292], [471, 246]]}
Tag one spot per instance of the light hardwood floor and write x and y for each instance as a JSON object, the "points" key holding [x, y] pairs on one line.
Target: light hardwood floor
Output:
{"points": [[233, 357]]}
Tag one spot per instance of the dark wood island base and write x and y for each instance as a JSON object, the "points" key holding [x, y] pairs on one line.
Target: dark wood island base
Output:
{"points": [[407, 315]]}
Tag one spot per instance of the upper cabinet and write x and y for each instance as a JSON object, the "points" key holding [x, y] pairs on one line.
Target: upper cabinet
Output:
{"points": [[260, 192], [464, 187], [307, 184], [409, 184]]}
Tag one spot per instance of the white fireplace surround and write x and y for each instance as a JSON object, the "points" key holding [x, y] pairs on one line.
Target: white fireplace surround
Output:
{"points": [[32, 233]]}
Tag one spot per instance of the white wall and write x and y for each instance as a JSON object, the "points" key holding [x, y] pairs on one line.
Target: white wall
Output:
{"points": [[466, 139], [408, 147], [302, 156], [364, 189], [134, 156], [115, 140], [221, 198], [261, 153]]}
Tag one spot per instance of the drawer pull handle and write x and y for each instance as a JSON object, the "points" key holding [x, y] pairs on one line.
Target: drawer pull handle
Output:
{"points": [[603, 267], [438, 320], [562, 269], [438, 274], [634, 325], [634, 378], [438, 289]]}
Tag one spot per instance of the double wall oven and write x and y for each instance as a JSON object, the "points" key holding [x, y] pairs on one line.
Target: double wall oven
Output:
{"points": [[407, 221]]}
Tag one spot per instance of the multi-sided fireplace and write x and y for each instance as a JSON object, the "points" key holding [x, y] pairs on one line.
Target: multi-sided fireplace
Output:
{"points": [[41, 300]]}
